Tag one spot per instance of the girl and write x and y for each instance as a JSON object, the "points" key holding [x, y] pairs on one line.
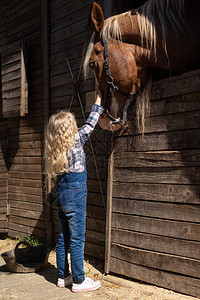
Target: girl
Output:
{"points": [[65, 159]]}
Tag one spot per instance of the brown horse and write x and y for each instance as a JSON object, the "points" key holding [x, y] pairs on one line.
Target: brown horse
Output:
{"points": [[161, 33]]}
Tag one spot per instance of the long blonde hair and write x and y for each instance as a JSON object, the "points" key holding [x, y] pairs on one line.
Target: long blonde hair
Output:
{"points": [[61, 136]]}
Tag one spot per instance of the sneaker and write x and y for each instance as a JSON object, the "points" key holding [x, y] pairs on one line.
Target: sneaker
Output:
{"points": [[65, 282], [86, 286]]}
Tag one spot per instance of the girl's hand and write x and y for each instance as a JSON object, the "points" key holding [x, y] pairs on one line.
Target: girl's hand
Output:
{"points": [[98, 96]]}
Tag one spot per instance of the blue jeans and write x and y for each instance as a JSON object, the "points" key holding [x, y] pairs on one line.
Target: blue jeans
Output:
{"points": [[71, 204]]}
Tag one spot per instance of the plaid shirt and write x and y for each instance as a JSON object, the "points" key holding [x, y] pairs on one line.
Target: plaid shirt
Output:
{"points": [[76, 156]]}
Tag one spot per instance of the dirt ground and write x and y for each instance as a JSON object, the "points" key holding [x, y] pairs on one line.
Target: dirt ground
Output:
{"points": [[42, 285]]}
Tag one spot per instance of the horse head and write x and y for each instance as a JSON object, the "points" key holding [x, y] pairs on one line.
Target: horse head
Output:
{"points": [[126, 74], [125, 48]]}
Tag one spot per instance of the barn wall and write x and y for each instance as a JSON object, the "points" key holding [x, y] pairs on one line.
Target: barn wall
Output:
{"points": [[69, 39], [3, 143], [155, 223], [22, 20], [3, 179]]}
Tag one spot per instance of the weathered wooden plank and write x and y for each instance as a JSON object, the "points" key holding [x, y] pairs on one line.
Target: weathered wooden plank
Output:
{"points": [[159, 159], [96, 199], [3, 169], [60, 10], [3, 203], [25, 175], [12, 93], [25, 190], [159, 261], [94, 186], [24, 81], [26, 145], [3, 182], [11, 104], [26, 167], [25, 129], [167, 228], [182, 284], [25, 182], [94, 250], [172, 122], [96, 212], [68, 19], [96, 238], [176, 140], [26, 153], [3, 190], [26, 213], [173, 86], [27, 222], [158, 192], [26, 206], [156, 243], [13, 77], [69, 31], [28, 137], [24, 31], [178, 212], [15, 5], [30, 7], [17, 231], [27, 160], [25, 197], [95, 225], [2, 216], [92, 172], [169, 175], [15, 57], [71, 42], [29, 18], [179, 104], [3, 226], [25, 124], [29, 25]]}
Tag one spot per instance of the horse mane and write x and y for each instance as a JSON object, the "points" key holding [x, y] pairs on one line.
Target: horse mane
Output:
{"points": [[150, 16]]}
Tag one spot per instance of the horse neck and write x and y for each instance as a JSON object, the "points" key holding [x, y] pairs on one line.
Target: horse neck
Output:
{"points": [[131, 34], [174, 54]]}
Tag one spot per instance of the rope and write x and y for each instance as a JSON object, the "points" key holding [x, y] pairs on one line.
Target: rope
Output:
{"points": [[83, 113]]}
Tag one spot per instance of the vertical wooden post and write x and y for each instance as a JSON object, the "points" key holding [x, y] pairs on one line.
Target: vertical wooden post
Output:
{"points": [[24, 82], [46, 94], [109, 207]]}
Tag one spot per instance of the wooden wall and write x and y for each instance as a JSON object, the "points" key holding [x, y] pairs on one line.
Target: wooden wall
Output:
{"points": [[155, 219], [22, 20], [3, 179], [69, 39], [3, 143]]}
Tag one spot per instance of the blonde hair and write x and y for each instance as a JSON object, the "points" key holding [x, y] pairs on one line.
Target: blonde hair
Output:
{"points": [[61, 135]]}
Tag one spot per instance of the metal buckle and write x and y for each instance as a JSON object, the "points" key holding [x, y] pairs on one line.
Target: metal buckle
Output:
{"points": [[107, 63], [110, 80]]}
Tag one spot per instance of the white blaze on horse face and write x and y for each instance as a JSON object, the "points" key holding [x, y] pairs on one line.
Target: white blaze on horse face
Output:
{"points": [[114, 106]]}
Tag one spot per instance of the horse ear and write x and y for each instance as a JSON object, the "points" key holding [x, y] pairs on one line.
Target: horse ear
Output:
{"points": [[97, 18]]}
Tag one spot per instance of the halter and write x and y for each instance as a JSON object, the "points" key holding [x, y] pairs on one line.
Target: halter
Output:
{"points": [[111, 85]]}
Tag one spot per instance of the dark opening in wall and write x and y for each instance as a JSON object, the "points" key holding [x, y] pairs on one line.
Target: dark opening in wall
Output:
{"points": [[122, 6]]}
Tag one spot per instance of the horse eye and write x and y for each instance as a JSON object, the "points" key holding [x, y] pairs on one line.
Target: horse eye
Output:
{"points": [[92, 64]]}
